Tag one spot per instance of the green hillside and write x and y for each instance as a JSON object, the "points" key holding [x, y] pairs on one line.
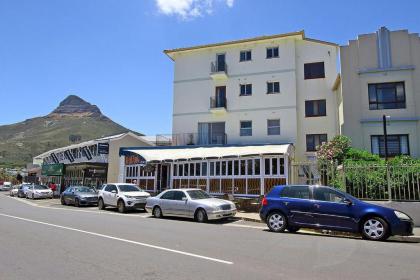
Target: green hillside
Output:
{"points": [[73, 121]]}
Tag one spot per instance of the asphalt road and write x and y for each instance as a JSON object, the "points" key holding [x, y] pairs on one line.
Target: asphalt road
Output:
{"points": [[49, 241]]}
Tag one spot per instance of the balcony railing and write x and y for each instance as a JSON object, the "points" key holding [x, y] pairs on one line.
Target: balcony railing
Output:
{"points": [[218, 102], [218, 67], [193, 139]]}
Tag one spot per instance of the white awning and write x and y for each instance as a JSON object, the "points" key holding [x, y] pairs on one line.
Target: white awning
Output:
{"points": [[172, 154]]}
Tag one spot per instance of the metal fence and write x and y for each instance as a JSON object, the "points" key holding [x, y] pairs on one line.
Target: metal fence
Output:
{"points": [[367, 181]]}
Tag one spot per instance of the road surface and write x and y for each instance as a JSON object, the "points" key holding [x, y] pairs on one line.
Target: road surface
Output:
{"points": [[44, 240]]}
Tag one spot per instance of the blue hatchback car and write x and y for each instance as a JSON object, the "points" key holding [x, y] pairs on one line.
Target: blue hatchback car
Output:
{"points": [[319, 207]]}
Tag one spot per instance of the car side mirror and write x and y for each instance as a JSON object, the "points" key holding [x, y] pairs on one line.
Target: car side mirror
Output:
{"points": [[113, 191], [185, 199], [347, 201]]}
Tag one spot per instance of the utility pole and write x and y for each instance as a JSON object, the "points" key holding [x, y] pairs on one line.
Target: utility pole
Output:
{"points": [[384, 117]]}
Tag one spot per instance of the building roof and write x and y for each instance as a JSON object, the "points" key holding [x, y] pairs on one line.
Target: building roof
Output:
{"points": [[159, 154], [300, 33], [92, 142]]}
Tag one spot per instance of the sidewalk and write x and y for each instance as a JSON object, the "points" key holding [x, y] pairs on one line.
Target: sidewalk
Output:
{"points": [[255, 217]]}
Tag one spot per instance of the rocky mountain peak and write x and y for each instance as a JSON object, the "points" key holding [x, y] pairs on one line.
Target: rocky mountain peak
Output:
{"points": [[74, 105]]}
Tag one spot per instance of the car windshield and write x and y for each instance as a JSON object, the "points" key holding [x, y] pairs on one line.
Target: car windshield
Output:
{"points": [[198, 194], [40, 187], [129, 188], [84, 190]]}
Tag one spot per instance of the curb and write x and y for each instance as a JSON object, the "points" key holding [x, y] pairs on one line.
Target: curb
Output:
{"points": [[412, 238], [250, 219]]}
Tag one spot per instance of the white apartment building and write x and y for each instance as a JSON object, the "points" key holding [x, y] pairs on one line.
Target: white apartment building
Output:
{"points": [[264, 90], [381, 76], [242, 111]]}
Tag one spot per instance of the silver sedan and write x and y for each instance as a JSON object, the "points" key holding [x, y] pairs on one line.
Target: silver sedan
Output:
{"points": [[190, 203]]}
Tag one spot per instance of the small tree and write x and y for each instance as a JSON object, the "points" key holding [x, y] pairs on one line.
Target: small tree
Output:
{"points": [[334, 150]]}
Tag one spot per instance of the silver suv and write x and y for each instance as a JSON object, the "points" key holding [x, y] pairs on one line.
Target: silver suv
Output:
{"points": [[122, 195]]}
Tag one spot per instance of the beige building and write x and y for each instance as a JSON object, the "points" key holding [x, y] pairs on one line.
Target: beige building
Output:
{"points": [[381, 76]]}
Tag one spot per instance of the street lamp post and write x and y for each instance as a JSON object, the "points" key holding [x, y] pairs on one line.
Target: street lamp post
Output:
{"points": [[384, 117]]}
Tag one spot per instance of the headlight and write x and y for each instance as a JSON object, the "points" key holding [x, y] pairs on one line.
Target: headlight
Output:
{"points": [[217, 208], [401, 215], [129, 196]]}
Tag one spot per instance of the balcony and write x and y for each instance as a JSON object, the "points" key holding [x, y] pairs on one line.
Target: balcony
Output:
{"points": [[218, 71], [193, 139], [218, 105]]}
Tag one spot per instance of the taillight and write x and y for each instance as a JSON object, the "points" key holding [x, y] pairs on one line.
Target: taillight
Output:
{"points": [[264, 202]]}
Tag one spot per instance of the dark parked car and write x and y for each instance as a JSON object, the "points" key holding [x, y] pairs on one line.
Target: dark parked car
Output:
{"points": [[78, 196], [319, 207], [23, 189]]}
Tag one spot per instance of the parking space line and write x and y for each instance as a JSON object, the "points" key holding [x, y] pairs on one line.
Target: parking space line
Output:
{"points": [[144, 215], [121, 239]]}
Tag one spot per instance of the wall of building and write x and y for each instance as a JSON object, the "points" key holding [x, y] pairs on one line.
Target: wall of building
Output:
{"points": [[314, 89], [360, 67], [193, 87], [114, 157]]}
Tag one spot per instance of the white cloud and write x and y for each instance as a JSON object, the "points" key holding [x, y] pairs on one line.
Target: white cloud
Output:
{"points": [[187, 9]]}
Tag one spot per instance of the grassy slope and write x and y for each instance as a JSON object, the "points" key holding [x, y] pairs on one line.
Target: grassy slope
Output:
{"points": [[22, 141]]}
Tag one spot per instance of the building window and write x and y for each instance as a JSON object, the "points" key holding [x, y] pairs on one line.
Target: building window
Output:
{"points": [[246, 128], [273, 127], [246, 89], [273, 52], [397, 145], [315, 108], [273, 87], [314, 70], [314, 140], [387, 96], [245, 56]]}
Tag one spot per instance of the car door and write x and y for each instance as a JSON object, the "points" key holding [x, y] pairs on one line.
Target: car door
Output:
{"points": [[105, 194], [29, 191], [331, 209], [179, 204], [113, 195], [66, 195], [166, 201], [297, 200]]}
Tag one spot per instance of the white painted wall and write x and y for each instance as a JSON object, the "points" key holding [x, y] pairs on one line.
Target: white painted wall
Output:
{"points": [[193, 87]]}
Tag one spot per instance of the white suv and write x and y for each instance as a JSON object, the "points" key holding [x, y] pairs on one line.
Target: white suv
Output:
{"points": [[121, 195]]}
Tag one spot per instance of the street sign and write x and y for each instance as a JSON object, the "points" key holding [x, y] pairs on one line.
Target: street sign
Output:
{"points": [[103, 148]]}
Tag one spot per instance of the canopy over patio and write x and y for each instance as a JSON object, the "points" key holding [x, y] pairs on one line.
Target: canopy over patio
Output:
{"points": [[169, 154]]}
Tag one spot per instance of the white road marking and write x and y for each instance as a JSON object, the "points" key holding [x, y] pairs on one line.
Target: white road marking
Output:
{"points": [[120, 239], [145, 215]]}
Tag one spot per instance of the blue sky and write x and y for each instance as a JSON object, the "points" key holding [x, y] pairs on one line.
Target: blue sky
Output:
{"points": [[109, 52]]}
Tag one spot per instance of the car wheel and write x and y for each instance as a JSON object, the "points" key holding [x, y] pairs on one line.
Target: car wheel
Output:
{"points": [[63, 202], [293, 229], [201, 216], [121, 206], [101, 204], [276, 222], [375, 228], [157, 212], [76, 203]]}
